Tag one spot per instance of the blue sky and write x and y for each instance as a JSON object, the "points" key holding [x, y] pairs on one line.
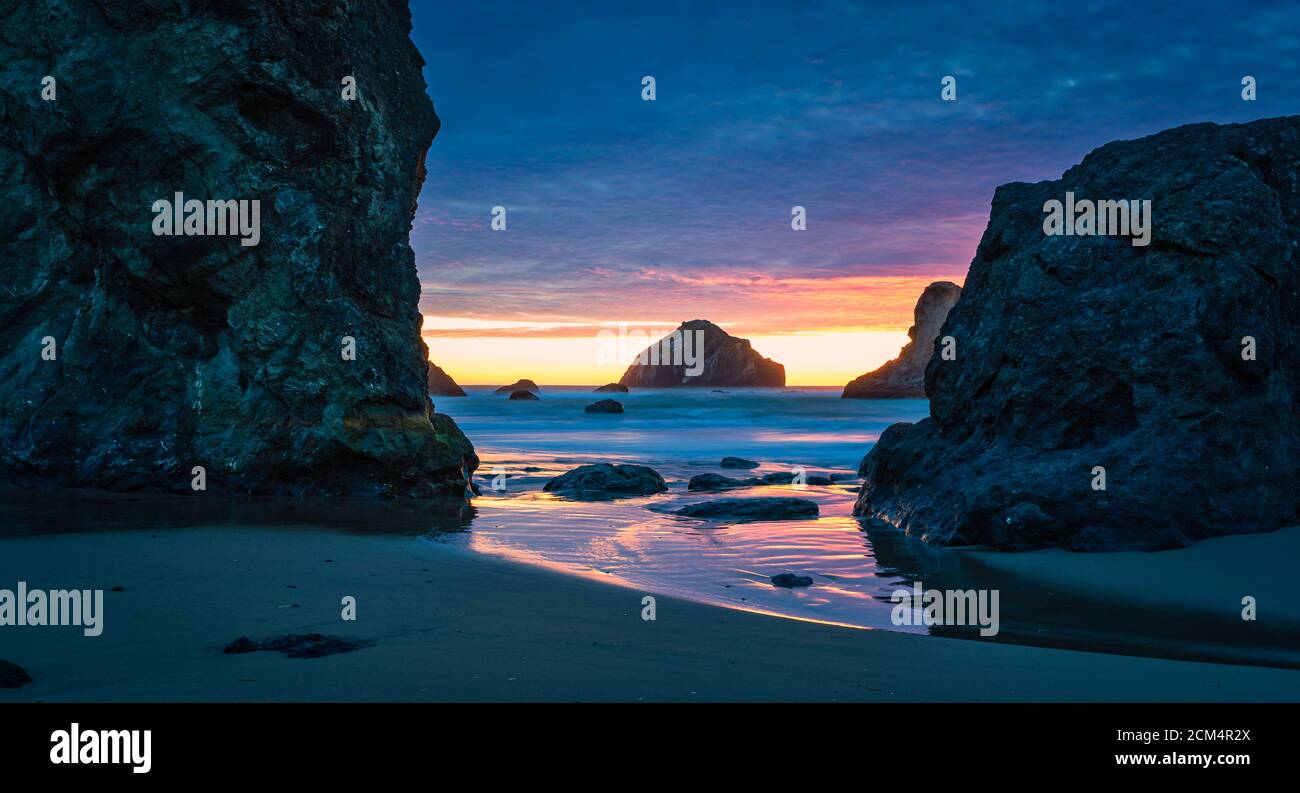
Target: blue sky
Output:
{"points": [[677, 208]]}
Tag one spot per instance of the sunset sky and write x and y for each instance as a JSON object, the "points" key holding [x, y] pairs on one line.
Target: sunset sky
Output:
{"points": [[621, 210]]}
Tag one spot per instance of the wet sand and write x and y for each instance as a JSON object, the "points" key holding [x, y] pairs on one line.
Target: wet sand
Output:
{"points": [[450, 624]]}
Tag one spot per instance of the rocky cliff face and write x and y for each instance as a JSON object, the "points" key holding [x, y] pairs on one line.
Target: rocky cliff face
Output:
{"points": [[1171, 369], [904, 376], [441, 384], [700, 353], [126, 357]]}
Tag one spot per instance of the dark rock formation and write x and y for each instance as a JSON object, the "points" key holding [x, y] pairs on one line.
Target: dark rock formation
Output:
{"points": [[297, 645], [1077, 352], [524, 395], [713, 482], [605, 406], [12, 675], [178, 351], [751, 509], [904, 376], [790, 580], [518, 385], [602, 481], [724, 360], [611, 388], [737, 462], [441, 384]]}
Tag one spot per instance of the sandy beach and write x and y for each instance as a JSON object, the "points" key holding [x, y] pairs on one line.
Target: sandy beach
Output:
{"points": [[453, 625]]}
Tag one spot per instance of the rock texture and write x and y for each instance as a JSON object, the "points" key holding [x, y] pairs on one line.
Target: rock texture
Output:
{"points": [[904, 376], [726, 361], [751, 509], [441, 384], [604, 480], [1075, 352], [524, 396], [182, 351], [604, 406], [518, 385], [297, 645]]}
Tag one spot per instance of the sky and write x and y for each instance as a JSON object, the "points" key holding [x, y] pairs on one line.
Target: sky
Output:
{"points": [[651, 213]]}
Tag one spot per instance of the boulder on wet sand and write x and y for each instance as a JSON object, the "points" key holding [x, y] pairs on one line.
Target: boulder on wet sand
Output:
{"points": [[737, 462], [606, 480], [524, 395], [12, 675], [708, 482], [604, 406], [904, 376], [1107, 395], [611, 388], [518, 385], [790, 580], [751, 509], [297, 645]]}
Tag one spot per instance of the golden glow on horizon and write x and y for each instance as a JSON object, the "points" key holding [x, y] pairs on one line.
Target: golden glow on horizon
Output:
{"points": [[830, 358]]}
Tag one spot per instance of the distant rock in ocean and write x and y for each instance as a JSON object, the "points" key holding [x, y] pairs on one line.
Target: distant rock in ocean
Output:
{"points": [[1107, 395], [790, 580], [713, 482], [737, 462], [904, 376], [605, 406], [293, 366], [524, 395], [518, 385], [12, 675], [441, 384], [603, 480], [612, 388], [700, 353]]}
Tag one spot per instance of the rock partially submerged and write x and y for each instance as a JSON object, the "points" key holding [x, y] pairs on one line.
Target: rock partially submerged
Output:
{"points": [[751, 509], [790, 580], [904, 376], [176, 350], [605, 406], [737, 462], [605, 481], [441, 384], [297, 645], [12, 675], [611, 388], [713, 482], [724, 360], [518, 385], [524, 395], [1172, 370]]}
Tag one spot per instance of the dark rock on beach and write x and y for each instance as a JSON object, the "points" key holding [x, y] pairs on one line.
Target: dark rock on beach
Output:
{"points": [[524, 395], [725, 361], [518, 385], [297, 645], [1172, 366], [790, 580], [737, 462], [904, 376], [751, 509], [603, 481], [611, 388], [605, 406], [12, 675], [175, 351], [713, 482], [441, 384]]}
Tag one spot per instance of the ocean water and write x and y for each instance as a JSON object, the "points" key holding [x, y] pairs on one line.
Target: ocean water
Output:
{"points": [[681, 433]]}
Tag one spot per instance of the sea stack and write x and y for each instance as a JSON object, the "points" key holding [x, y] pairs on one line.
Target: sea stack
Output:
{"points": [[441, 384], [700, 353], [518, 385], [904, 376], [1106, 395], [131, 353]]}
